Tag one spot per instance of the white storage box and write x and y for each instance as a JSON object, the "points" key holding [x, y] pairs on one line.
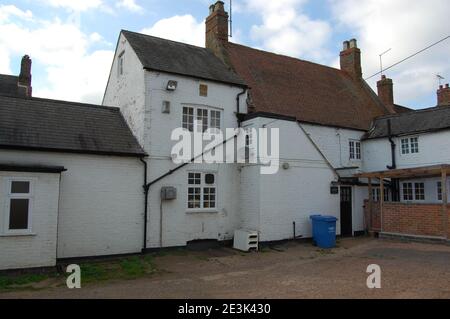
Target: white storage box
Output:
{"points": [[246, 240]]}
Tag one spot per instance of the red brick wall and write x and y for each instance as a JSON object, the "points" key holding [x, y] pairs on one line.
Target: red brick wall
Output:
{"points": [[408, 219]]}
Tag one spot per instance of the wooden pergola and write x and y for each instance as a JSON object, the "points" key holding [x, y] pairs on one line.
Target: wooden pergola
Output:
{"points": [[418, 172]]}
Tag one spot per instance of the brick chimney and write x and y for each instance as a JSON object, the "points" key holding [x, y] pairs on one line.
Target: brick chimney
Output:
{"points": [[24, 84], [386, 92], [216, 26], [443, 95], [351, 59]]}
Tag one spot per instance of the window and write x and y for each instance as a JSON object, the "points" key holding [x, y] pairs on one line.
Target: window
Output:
{"points": [[405, 146], [439, 190], [419, 190], [410, 145], [19, 206], [120, 63], [414, 145], [355, 150], [209, 119], [215, 119], [203, 90], [408, 191], [202, 191], [202, 117], [188, 118], [375, 194]]}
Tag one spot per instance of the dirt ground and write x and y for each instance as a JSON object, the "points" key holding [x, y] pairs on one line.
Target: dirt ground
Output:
{"points": [[291, 270]]}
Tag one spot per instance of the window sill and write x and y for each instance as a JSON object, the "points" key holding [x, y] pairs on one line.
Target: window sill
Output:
{"points": [[202, 211], [24, 234]]}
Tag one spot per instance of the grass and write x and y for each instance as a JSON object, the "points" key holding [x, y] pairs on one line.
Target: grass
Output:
{"points": [[9, 282], [91, 272]]}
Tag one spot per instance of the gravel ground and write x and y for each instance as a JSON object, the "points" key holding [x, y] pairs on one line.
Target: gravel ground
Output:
{"points": [[292, 270]]}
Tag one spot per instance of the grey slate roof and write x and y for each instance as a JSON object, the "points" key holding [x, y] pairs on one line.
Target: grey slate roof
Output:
{"points": [[421, 121], [179, 58], [8, 84], [33, 123]]}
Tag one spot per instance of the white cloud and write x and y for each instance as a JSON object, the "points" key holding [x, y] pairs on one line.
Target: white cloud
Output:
{"points": [[73, 72], [75, 5], [179, 28], [286, 29], [7, 11], [130, 5], [406, 27]]}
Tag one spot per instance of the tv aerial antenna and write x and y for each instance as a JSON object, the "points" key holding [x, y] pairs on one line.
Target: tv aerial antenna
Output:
{"points": [[381, 60]]}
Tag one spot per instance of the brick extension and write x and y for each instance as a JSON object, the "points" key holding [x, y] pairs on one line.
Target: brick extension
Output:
{"points": [[408, 219]]}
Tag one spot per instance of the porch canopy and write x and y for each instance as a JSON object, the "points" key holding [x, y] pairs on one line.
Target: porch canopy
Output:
{"points": [[425, 171], [442, 170]]}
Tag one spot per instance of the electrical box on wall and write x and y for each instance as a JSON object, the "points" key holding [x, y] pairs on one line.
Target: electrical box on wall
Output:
{"points": [[168, 193]]}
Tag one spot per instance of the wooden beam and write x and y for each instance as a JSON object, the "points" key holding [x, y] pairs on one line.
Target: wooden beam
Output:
{"points": [[444, 203], [381, 202], [369, 222]]}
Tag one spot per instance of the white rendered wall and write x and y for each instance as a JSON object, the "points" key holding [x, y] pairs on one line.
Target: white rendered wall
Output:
{"points": [[180, 225], [434, 149], [293, 195], [334, 143], [39, 248], [127, 91], [101, 202]]}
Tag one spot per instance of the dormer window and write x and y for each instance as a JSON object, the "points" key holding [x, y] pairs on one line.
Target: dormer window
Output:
{"points": [[120, 63]]}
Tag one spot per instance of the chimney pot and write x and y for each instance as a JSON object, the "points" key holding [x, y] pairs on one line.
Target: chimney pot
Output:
{"points": [[346, 45], [446, 86], [353, 43]]}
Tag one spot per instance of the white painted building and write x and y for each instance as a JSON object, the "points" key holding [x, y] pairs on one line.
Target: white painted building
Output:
{"points": [[82, 180]]}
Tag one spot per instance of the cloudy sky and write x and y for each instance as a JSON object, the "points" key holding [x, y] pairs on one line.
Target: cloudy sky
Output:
{"points": [[72, 42]]}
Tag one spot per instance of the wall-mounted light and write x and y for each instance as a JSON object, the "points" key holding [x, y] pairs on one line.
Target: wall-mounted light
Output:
{"points": [[172, 85]]}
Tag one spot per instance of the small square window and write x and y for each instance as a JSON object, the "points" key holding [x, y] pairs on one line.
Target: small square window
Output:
{"points": [[18, 187], [209, 179], [203, 89]]}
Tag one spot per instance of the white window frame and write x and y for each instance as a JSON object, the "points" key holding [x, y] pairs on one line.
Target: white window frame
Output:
{"points": [[410, 145], [354, 150], [416, 189], [405, 146], [9, 196], [202, 187], [412, 191], [414, 145], [209, 122]]}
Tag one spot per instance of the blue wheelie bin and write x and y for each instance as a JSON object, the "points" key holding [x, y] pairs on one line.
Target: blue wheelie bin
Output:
{"points": [[324, 230]]}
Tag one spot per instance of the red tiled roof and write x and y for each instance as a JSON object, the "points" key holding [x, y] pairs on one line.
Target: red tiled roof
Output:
{"points": [[308, 91]]}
